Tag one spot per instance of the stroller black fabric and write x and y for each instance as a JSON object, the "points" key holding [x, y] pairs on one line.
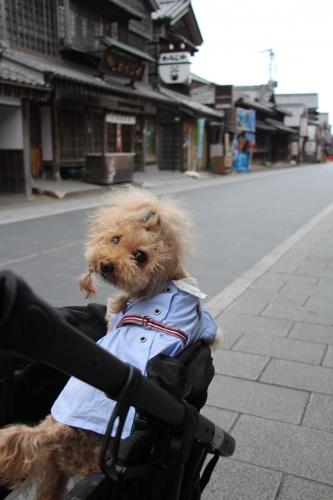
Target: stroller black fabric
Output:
{"points": [[29, 390]]}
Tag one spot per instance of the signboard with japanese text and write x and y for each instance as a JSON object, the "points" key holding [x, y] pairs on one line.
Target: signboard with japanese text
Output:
{"points": [[174, 67], [246, 119], [122, 119], [303, 126], [115, 64], [310, 147]]}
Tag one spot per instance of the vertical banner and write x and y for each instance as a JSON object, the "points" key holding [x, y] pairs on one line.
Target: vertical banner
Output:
{"points": [[200, 135], [252, 120], [119, 142]]}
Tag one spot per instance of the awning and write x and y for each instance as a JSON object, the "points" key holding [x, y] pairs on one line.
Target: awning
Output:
{"points": [[194, 108], [243, 101], [280, 126], [283, 110], [111, 42], [264, 126]]}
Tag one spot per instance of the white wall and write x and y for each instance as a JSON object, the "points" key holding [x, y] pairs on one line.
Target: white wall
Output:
{"points": [[11, 131]]}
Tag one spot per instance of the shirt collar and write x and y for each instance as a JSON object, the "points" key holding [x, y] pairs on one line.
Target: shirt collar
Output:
{"points": [[189, 285]]}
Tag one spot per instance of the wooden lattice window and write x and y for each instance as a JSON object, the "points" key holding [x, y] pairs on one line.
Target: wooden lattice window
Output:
{"points": [[32, 24], [72, 134], [95, 131], [111, 137]]}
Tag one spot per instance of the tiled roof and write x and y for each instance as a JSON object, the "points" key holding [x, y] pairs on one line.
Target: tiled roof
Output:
{"points": [[14, 76], [35, 67], [281, 126], [309, 100], [171, 9], [33, 70], [196, 107]]}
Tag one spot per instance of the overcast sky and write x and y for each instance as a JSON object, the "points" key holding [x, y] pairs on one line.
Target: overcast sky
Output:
{"points": [[300, 32]]}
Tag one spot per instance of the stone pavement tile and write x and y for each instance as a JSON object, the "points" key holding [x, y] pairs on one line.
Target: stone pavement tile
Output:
{"points": [[297, 299], [303, 314], [320, 304], [294, 449], [296, 488], [223, 418], [291, 278], [315, 271], [312, 333], [323, 249], [277, 347], [320, 258], [298, 376], [328, 359], [248, 305], [319, 412], [320, 290], [256, 324], [264, 284], [255, 398], [319, 263], [284, 266], [230, 336], [239, 364], [232, 480]]}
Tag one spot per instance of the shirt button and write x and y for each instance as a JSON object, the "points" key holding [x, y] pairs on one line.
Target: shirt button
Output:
{"points": [[168, 289], [143, 338], [157, 311]]}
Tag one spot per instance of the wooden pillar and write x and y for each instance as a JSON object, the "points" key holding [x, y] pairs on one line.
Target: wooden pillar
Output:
{"points": [[26, 147], [55, 138]]}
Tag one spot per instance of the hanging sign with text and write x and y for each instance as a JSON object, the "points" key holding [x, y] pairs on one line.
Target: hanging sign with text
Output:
{"points": [[115, 64]]}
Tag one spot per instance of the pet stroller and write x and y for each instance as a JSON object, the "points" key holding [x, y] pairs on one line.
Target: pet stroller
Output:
{"points": [[163, 457]]}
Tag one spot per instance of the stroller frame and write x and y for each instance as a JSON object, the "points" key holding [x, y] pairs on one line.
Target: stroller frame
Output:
{"points": [[32, 329]]}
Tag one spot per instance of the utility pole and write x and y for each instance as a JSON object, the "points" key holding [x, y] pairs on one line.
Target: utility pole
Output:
{"points": [[271, 57]]}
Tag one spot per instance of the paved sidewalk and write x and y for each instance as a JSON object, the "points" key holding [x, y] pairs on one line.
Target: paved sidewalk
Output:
{"points": [[273, 388]]}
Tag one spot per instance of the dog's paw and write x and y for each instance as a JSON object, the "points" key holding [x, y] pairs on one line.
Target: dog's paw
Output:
{"points": [[216, 343]]}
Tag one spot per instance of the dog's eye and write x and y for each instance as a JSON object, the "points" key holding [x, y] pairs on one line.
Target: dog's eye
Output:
{"points": [[115, 240], [140, 256]]}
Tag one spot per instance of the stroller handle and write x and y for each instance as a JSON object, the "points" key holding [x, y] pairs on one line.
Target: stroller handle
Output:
{"points": [[33, 330]]}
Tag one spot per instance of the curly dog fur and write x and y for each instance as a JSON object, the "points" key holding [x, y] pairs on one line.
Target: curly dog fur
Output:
{"points": [[136, 242]]}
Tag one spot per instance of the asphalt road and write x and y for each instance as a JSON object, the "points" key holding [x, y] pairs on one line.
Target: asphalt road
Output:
{"points": [[238, 224]]}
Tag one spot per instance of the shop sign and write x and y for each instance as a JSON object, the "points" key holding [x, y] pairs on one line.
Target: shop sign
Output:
{"points": [[246, 119], [312, 129], [294, 148], [115, 64], [121, 119], [303, 126], [310, 147], [174, 67], [200, 132], [223, 96]]}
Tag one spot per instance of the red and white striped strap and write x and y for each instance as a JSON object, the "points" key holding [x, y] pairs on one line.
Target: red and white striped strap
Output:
{"points": [[149, 323]]}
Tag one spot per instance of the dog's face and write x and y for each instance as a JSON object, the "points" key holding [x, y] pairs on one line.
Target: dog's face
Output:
{"points": [[128, 254], [136, 243]]}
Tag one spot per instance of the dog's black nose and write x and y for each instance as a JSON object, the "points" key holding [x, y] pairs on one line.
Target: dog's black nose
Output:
{"points": [[106, 266]]}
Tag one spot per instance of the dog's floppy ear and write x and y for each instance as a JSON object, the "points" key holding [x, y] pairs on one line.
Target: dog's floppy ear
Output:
{"points": [[87, 285], [151, 222]]}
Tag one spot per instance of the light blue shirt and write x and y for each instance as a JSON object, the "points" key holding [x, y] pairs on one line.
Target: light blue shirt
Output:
{"points": [[81, 405]]}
